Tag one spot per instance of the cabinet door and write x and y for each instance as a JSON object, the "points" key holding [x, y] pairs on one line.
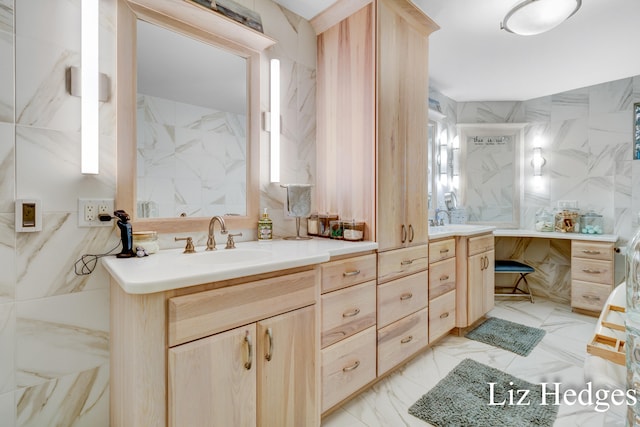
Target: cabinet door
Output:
{"points": [[480, 287], [286, 358], [212, 381]]}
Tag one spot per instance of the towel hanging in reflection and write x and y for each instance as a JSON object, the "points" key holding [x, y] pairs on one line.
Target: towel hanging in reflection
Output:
{"points": [[298, 199]]}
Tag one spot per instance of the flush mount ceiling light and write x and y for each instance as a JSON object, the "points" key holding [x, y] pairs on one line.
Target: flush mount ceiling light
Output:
{"points": [[531, 17]]}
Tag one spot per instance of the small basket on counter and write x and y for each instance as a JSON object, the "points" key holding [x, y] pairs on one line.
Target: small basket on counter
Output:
{"points": [[353, 230]]}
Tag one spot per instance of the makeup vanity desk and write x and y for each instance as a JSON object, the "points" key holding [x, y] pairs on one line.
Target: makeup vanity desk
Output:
{"points": [[590, 276]]}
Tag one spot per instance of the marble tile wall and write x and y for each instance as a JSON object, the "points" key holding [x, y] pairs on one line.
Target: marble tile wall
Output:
{"points": [[54, 325], [191, 160], [586, 138]]}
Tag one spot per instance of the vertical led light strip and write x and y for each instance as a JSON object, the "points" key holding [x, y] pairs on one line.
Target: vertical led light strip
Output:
{"points": [[275, 120], [89, 86]]}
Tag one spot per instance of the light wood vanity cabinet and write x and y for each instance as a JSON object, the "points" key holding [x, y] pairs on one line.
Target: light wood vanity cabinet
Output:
{"points": [[442, 287], [238, 352], [348, 335], [475, 278], [592, 274]]}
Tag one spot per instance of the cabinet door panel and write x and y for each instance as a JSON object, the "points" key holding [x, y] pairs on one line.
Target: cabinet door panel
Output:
{"points": [[209, 384], [286, 370], [481, 281]]}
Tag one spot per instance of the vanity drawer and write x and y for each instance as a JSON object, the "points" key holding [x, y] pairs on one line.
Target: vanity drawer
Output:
{"points": [[347, 311], [346, 272], [592, 270], [442, 315], [442, 249], [402, 262], [401, 339], [205, 313], [589, 296], [402, 297], [442, 277], [348, 366], [480, 244], [592, 250]]}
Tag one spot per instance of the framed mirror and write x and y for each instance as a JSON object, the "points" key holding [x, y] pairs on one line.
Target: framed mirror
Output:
{"points": [[491, 172], [188, 134]]}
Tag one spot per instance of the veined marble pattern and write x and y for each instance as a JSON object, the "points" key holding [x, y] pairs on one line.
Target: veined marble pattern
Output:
{"points": [[7, 348], [7, 166], [559, 357], [190, 159], [7, 258]]}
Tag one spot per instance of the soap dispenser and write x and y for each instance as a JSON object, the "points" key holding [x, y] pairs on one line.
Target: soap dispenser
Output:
{"points": [[265, 227]]}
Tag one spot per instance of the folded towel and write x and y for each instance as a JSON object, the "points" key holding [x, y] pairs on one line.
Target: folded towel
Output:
{"points": [[298, 199]]}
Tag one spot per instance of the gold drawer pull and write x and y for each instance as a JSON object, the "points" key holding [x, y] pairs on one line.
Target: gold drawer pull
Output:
{"points": [[270, 347], [590, 252], [444, 251], [407, 339], [351, 313], [591, 297], [590, 271], [406, 296], [352, 367], [247, 339], [444, 277], [406, 262], [351, 273], [444, 315]]}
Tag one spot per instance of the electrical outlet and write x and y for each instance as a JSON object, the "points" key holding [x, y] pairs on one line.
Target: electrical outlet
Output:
{"points": [[89, 211]]}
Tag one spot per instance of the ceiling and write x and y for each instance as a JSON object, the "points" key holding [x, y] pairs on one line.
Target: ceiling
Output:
{"points": [[471, 59]]}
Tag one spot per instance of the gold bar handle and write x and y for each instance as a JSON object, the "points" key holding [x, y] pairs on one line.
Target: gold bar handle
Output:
{"points": [[351, 273], [590, 271], [444, 277], [444, 251], [411, 233], [590, 252], [352, 367], [444, 315], [406, 262], [404, 233], [351, 313], [407, 339], [269, 333], [406, 296], [247, 339]]}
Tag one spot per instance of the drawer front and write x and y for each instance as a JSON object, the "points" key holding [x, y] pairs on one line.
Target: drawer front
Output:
{"points": [[592, 250], [442, 315], [480, 244], [442, 249], [402, 339], [442, 277], [592, 270], [348, 311], [348, 366], [204, 313], [589, 296], [346, 272], [402, 297], [402, 262]]}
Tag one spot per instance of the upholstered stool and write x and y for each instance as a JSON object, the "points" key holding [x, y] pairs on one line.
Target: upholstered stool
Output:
{"points": [[515, 267]]}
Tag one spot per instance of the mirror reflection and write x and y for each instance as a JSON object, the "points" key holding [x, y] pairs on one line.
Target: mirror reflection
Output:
{"points": [[191, 127]]}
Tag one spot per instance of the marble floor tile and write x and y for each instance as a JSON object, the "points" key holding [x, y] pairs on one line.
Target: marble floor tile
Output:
{"points": [[559, 357]]}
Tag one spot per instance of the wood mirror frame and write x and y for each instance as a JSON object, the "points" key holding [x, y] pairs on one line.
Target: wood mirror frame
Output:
{"points": [[206, 25]]}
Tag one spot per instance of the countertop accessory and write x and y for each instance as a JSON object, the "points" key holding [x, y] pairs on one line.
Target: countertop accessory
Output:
{"points": [[298, 205], [126, 234], [211, 240], [591, 223], [265, 227], [148, 240]]}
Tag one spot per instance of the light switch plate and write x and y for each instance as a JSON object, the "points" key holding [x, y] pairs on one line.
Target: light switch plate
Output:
{"points": [[28, 215]]}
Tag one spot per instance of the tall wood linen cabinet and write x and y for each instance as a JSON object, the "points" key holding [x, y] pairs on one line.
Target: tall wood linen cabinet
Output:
{"points": [[372, 103]]}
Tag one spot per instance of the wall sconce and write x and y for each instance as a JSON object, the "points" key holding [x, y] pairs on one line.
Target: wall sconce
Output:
{"points": [[538, 161], [274, 120], [90, 85], [455, 162]]}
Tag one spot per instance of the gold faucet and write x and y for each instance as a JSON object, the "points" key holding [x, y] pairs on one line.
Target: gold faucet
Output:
{"points": [[211, 241]]}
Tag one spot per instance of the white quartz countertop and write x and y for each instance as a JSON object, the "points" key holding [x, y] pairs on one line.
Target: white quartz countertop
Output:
{"points": [[505, 232], [173, 269], [441, 231]]}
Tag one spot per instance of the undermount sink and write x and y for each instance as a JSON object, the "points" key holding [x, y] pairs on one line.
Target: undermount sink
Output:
{"points": [[225, 256]]}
